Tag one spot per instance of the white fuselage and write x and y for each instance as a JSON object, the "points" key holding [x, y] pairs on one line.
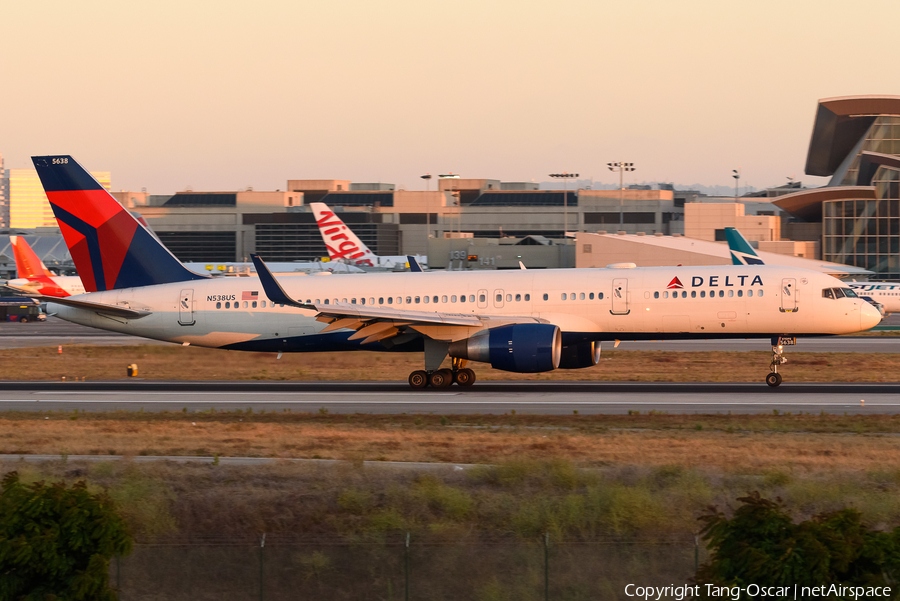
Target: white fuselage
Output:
{"points": [[586, 304], [886, 293], [54, 285]]}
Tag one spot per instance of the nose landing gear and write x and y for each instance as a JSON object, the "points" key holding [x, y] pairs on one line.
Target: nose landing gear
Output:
{"points": [[773, 379]]}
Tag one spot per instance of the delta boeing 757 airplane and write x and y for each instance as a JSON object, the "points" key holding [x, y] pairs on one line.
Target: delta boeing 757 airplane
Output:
{"points": [[522, 321]]}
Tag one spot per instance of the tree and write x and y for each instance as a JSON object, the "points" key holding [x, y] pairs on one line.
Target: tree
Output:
{"points": [[56, 542], [762, 544]]}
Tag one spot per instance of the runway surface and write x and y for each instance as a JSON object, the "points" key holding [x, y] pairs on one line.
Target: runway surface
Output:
{"points": [[55, 332], [547, 398]]}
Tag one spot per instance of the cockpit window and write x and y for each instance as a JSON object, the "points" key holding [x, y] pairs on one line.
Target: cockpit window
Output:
{"points": [[838, 293]]}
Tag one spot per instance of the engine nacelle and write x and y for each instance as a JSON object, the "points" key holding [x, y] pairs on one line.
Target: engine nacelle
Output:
{"points": [[523, 348], [577, 356]]}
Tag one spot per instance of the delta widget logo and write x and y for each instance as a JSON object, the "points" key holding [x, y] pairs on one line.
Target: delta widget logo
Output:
{"points": [[675, 283]]}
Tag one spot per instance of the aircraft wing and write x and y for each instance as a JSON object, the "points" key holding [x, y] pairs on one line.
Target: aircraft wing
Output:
{"points": [[376, 323], [114, 310]]}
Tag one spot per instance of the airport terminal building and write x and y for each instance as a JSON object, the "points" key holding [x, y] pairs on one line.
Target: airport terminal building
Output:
{"points": [[490, 224]]}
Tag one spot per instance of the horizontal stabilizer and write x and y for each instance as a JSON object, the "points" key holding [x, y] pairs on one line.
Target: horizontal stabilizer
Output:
{"points": [[114, 310]]}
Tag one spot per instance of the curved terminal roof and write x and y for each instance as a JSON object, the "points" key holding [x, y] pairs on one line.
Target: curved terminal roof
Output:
{"points": [[869, 162], [840, 125], [807, 204]]}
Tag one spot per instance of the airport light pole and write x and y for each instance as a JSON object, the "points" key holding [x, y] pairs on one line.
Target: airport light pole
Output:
{"points": [[565, 176], [427, 178], [621, 168], [736, 174]]}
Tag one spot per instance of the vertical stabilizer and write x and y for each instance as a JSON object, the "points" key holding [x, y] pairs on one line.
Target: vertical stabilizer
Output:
{"points": [[342, 243], [110, 248], [741, 251], [28, 265]]}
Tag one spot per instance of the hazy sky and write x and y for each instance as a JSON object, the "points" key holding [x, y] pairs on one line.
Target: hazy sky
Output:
{"points": [[228, 94]]}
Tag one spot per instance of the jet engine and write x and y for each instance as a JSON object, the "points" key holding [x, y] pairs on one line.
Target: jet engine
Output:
{"points": [[523, 348], [577, 356]]}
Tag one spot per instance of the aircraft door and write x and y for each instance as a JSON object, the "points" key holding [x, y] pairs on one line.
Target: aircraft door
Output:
{"points": [[498, 299], [186, 308], [620, 297], [788, 295], [482, 299]]}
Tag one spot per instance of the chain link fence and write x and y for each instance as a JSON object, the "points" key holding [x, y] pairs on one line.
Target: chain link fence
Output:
{"points": [[401, 568]]}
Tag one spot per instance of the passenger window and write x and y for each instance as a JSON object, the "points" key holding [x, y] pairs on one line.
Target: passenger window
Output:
{"points": [[684, 294], [362, 301], [417, 300], [444, 299], [245, 304], [655, 294], [666, 294], [427, 300], [740, 293], [572, 297], [693, 294], [703, 294], [343, 300], [563, 296], [434, 299], [527, 297], [721, 293], [508, 297], [371, 300], [380, 300], [326, 301], [731, 293], [264, 303], [546, 296], [591, 296], [472, 298], [352, 301], [581, 296], [218, 305], [462, 298], [254, 304], [759, 293], [518, 297], [390, 300], [600, 295], [749, 293], [453, 298]]}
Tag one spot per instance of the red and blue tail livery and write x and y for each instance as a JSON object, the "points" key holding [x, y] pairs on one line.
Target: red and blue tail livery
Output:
{"points": [[110, 248]]}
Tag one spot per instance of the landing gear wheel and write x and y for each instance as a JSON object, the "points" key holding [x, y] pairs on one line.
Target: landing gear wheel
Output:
{"points": [[465, 377], [773, 379], [441, 378], [418, 379]]}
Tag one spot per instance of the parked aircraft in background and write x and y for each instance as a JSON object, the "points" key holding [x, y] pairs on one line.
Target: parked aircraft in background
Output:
{"points": [[345, 246], [34, 275], [521, 321], [883, 295]]}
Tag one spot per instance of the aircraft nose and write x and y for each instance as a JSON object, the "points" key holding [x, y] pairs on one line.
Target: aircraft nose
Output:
{"points": [[869, 316]]}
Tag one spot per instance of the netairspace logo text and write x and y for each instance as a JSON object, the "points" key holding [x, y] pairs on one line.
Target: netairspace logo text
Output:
{"points": [[755, 591]]}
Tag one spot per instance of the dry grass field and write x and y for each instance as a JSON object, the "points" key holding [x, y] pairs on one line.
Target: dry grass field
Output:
{"points": [[195, 363]]}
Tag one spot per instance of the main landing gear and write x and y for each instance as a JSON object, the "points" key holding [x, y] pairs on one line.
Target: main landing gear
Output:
{"points": [[773, 379], [443, 378]]}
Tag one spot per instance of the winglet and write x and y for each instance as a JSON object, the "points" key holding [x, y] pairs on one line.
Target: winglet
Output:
{"points": [[413, 264], [272, 288]]}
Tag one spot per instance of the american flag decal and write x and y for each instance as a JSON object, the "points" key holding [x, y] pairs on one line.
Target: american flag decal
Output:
{"points": [[247, 295]]}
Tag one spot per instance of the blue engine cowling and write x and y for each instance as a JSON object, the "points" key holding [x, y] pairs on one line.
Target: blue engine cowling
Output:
{"points": [[523, 348], [578, 356]]}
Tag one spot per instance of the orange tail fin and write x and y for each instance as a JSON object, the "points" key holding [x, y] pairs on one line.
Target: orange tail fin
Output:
{"points": [[27, 263]]}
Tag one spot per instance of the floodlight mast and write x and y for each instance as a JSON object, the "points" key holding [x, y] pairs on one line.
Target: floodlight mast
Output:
{"points": [[621, 167], [565, 176]]}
